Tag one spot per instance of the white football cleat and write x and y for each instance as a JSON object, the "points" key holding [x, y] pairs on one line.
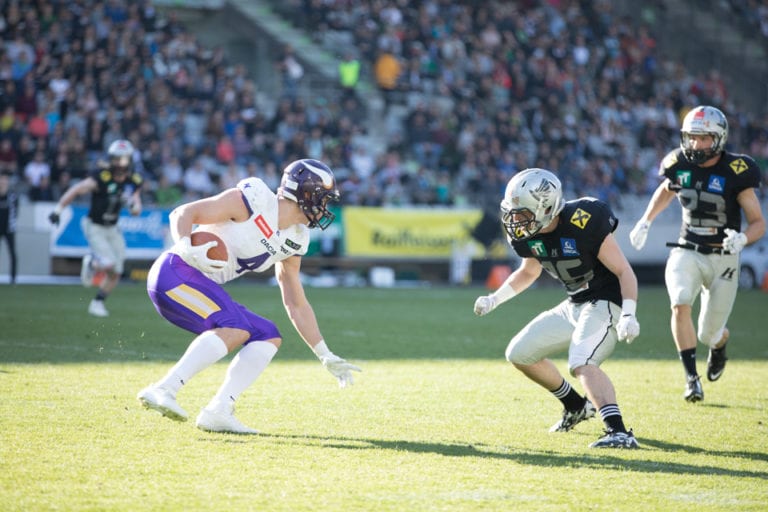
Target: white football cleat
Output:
{"points": [[222, 420], [96, 308], [86, 271], [162, 400]]}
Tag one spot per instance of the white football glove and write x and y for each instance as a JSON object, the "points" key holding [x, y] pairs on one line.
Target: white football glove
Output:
{"points": [[197, 255], [628, 328], [340, 369], [485, 304], [734, 241], [639, 234]]}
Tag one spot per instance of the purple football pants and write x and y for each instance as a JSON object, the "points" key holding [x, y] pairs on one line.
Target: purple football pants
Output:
{"points": [[187, 298]]}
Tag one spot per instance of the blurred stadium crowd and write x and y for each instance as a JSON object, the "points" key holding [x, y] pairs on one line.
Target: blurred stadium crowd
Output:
{"points": [[487, 88]]}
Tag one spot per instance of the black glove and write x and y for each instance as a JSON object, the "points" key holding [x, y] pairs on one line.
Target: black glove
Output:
{"points": [[54, 218]]}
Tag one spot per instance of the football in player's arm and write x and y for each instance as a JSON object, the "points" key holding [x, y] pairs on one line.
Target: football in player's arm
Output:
{"points": [[573, 242], [261, 229], [713, 187]]}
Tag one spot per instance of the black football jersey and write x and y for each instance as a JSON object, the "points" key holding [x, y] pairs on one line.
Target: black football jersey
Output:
{"points": [[107, 199], [569, 253], [708, 194]]}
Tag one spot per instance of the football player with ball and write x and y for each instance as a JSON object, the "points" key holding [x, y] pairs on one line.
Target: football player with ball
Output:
{"points": [[573, 241], [260, 229]]}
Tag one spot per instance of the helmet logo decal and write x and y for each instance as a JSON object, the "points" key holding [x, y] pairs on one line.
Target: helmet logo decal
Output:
{"points": [[324, 175], [580, 218], [543, 191]]}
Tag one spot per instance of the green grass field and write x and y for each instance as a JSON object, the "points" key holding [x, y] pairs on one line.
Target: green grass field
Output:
{"points": [[438, 420]]}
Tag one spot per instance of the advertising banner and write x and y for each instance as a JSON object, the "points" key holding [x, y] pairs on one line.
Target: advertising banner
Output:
{"points": [[407, 233], [145, 234]]}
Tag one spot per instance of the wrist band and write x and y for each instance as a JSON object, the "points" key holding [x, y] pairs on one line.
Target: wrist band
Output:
{"points": [[504, 293], [321, 349]]}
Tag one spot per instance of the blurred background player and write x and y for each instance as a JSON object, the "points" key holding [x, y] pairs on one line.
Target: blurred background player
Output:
{"points": [[109, 187], [713, 186], [260, 229], [574, 243], [9, 211]]}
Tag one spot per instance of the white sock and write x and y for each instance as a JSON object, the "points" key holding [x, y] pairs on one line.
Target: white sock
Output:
{"points": [[204, 351], [244, 369]]}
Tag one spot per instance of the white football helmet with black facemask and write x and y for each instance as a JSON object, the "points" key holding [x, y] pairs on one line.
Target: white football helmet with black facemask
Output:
{"points": [[311, 184], [533, 198], [120, 154], [703, 120]]}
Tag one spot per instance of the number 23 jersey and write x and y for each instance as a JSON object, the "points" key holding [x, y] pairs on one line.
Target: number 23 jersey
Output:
{"points": [[569, 253], [708, 194]]}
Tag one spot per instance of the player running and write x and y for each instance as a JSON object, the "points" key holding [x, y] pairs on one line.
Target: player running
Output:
{"points": [[260, 229], [109, 187], [713, 187]]}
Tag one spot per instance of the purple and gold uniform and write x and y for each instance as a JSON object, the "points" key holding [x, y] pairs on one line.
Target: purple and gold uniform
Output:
{"points": [[196, 301]]}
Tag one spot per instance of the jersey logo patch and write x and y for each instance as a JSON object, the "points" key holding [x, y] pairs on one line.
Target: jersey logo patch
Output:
{"points": [[716, 184], [580, 218], [683, 178], [293, 245], [263, 226], [738, 166], [537, 248], [568, 246]]}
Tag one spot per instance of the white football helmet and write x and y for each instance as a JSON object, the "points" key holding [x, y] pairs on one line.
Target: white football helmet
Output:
{"points": [[533, 198], [120, 155], [703, 120]]}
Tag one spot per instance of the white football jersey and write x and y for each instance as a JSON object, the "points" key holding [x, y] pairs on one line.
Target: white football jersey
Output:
{"points": [[256, 244]]}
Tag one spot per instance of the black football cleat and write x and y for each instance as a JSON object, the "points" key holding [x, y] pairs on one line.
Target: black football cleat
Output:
{"points": [[716, 363]]}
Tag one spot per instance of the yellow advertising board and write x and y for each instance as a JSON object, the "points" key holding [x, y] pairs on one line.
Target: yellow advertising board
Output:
{"points": [[409, 233]]}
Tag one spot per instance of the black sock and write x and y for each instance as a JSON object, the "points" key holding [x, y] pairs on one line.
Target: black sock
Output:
{"points": [[572, 401], [612, 418], [688, 357], [102, 296]]}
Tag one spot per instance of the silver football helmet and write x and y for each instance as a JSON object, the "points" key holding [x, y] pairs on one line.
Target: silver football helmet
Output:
{"points": [[703, 120], [532, 200], [120, 154]]}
